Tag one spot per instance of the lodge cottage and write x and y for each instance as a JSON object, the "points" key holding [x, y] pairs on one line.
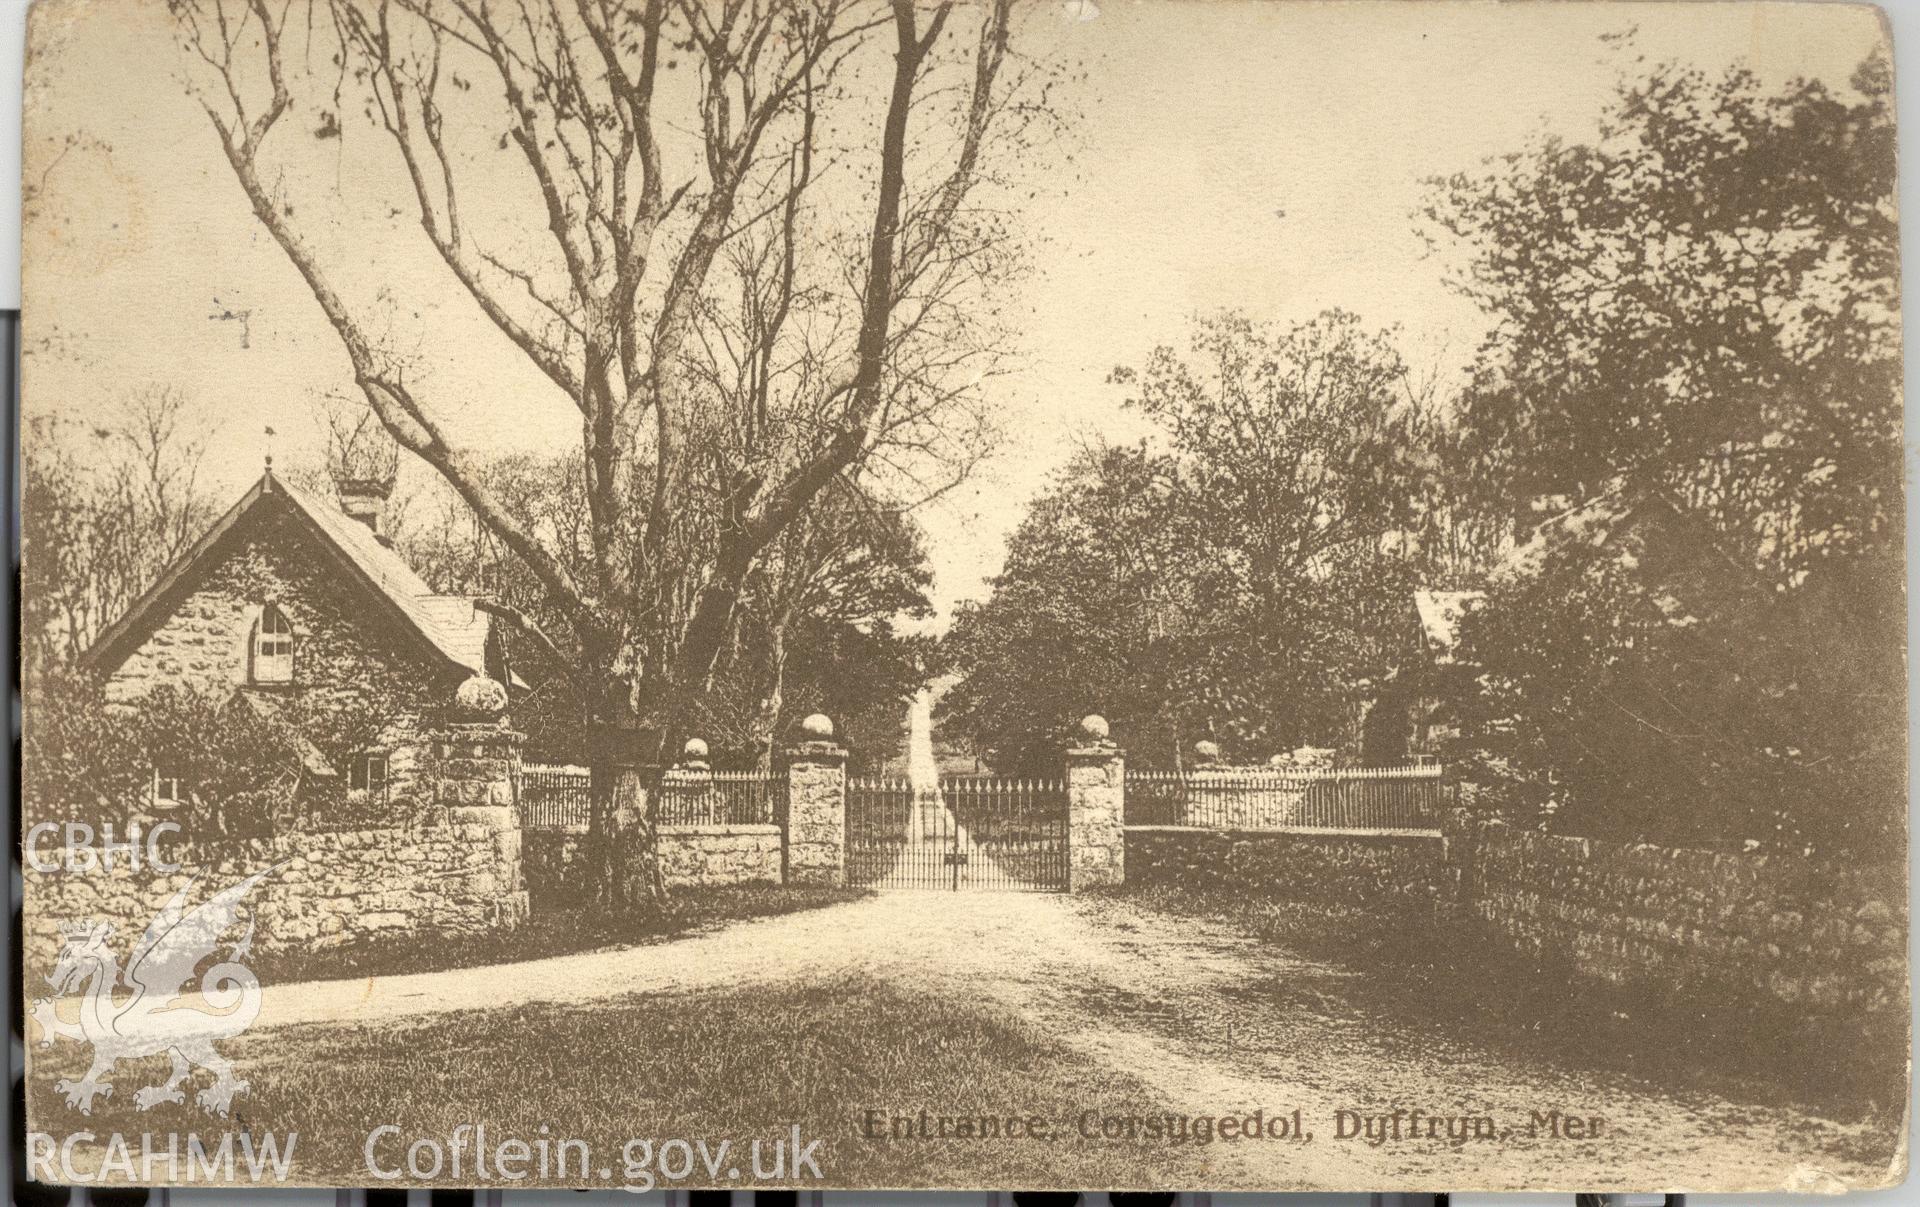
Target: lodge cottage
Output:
{"points": [[1404, 716], [290, 597]]}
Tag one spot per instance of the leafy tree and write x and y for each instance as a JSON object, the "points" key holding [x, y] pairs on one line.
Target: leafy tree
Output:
{"points": [[843, 574], [1243, 584], [863, 676], [1093, 612], [1292, 444], [817, 630], [1694, 367]]}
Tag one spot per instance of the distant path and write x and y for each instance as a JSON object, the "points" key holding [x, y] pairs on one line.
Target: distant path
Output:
{"points": [[1216, 1022], [923, 771]]}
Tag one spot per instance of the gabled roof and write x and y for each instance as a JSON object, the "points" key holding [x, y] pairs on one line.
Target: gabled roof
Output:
{"points": [[1440, 613], [448, 627]]}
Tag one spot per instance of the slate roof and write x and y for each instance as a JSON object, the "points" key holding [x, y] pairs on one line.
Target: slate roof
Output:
{"points": [[449, 626], [450, 622]]}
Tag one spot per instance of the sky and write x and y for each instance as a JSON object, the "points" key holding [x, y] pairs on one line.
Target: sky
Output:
{"points": [[1267, 157]]}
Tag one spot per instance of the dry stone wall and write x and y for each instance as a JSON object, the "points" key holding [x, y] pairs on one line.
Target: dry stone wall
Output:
{"points": [[708, 856], [441, 876], [1761, 929], [448, 866], [690, 857], [1810, 935], [1371, 873]]}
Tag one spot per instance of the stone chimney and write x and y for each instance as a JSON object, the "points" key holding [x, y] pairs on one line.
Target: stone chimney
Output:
{"points": [[365, 500], [364, 463]]}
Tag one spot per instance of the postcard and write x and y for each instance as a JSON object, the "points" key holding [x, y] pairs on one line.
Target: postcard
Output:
{"points": [[1219, 595]]}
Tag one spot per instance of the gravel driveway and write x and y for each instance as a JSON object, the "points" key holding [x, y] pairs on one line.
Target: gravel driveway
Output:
{"points": [[1217, 1023]]}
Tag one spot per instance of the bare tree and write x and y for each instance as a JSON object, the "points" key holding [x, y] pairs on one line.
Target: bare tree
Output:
{"points": [[654, 193], [106, 519], [358, 448]]}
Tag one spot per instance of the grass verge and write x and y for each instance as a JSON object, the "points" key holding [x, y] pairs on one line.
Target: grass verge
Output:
{"points": [[738, 1066]]}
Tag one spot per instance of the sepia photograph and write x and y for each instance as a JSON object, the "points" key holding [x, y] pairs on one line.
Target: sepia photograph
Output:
{"points": [[1142, 595]]}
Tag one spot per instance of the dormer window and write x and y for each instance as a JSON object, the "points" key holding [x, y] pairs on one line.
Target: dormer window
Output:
{"points": [[273, 647]]}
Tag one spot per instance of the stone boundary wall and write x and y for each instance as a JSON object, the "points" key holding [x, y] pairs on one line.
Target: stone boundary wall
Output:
{"points": [[1372, 871], [1812, 936], [444, 860], [1756, 929], [690, 857], [707, 856], [440, 876]]}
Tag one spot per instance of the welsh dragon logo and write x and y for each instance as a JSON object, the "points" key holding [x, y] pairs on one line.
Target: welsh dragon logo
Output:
{"points": [[145, 1011]]}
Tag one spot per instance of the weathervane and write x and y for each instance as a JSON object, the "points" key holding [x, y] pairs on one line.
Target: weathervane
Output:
{"points": [[227, 314]]}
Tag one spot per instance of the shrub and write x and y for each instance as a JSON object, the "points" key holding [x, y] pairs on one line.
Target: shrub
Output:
{"points": [[243, 768]]}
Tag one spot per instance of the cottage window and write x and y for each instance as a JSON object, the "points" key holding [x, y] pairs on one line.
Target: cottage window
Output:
{"points": [[169, 788], [273, 647], [368, 773]]}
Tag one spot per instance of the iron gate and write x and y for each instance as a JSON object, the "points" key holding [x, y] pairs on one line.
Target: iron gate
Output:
{"points": [[969, 833]]}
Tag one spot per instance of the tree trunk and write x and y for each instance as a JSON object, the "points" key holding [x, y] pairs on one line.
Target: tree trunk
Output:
{"points": [[766, 726], [639, 733], [622, 853]]}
